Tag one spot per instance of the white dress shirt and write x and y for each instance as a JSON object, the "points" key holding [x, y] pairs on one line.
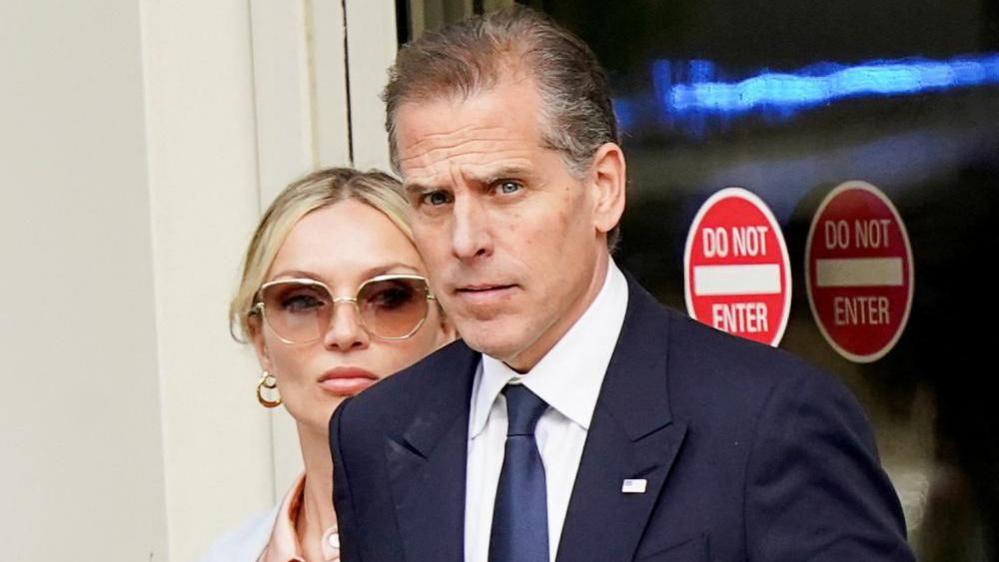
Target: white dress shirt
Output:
{"points": [[568, 378]]}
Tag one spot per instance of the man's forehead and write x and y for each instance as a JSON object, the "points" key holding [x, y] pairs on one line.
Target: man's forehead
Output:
{"points": [[465, 151], [497, 105], [483, 168], [472, 147], [445, 139], [493, 128]]}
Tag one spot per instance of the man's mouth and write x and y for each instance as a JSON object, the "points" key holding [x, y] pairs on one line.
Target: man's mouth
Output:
{"points": [[483, 287], [482, 292]]}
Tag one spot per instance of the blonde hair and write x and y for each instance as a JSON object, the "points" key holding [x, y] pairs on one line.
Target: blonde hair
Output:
{"points": [[315, 191]]}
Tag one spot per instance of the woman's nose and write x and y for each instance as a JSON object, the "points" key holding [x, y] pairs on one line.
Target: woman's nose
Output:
{"points": [[345, 331]]}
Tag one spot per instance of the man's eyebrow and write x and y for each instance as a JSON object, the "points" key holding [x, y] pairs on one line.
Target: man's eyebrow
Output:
{"points": [[504, 172], [489, 176], [414, 188]]}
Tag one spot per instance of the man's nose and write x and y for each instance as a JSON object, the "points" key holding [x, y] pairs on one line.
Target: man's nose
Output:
{"points": [[345, 331], [470, 236]]}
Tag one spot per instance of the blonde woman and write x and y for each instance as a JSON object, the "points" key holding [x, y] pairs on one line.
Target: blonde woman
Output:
{"points": [[333, 298]]}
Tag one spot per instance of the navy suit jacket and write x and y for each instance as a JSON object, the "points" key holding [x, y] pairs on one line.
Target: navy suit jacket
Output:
{"points": [[748, 452]]}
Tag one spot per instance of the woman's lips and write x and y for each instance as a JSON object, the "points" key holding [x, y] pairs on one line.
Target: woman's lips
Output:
{"points": [[346, 381]]}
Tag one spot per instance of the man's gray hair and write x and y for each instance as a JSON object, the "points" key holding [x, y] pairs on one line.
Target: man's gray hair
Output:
{"points": [[472, 56]]}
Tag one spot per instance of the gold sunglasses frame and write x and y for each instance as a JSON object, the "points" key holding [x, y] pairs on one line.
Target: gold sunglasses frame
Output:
{"points": [[259, 308]]}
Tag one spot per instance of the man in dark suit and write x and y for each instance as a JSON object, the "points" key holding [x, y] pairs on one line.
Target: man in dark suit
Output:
{"points": [[577, 420]]}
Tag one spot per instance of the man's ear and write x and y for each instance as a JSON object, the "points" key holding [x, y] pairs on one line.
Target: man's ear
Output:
{"points": [[609, 176]]}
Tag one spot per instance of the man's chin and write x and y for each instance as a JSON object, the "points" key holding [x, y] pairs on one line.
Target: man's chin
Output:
{"points": [[494, 341]]}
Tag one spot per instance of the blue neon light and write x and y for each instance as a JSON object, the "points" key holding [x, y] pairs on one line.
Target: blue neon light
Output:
{"points": [[815, 85]]}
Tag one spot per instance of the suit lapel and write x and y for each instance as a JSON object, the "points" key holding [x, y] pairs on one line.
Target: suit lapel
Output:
{"points": [[426, 462], [632, 436]]}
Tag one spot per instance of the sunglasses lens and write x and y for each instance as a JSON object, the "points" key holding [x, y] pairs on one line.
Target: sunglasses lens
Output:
{"points": [[393, 308], [297, 312]]}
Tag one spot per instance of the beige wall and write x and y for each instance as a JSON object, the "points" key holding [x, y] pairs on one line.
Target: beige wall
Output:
{"points": [[139, 140], [203, 186], [82, 464]]}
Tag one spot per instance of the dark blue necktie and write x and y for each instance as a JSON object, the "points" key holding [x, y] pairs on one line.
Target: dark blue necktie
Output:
{"points": [[520, 516]]}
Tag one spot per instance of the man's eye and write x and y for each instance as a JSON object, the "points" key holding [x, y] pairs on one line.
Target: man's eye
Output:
{"points": [[436, 198], [507, 187]]}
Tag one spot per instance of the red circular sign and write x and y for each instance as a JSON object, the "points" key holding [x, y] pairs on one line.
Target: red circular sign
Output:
{"points": [[737, 275], [859, 271]]}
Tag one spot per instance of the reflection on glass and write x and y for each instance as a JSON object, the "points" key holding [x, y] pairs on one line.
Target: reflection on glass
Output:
{"points": [[685, 92]]}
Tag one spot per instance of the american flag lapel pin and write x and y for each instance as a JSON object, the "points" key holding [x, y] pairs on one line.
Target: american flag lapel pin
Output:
{"points": [[633, 486]]}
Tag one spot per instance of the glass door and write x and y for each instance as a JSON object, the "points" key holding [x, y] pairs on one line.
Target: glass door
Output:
{"points": [[870, 130]]}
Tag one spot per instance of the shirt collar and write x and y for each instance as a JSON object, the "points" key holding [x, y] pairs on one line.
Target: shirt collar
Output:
{"points": [[283, 545], [569, 376]]}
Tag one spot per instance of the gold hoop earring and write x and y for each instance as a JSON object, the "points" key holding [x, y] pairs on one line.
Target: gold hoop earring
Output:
{"points": [[267, 382]]}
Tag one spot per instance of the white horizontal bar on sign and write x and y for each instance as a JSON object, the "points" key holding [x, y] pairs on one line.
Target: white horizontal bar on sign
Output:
{"points": [[859, 272], [711, 280]]}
